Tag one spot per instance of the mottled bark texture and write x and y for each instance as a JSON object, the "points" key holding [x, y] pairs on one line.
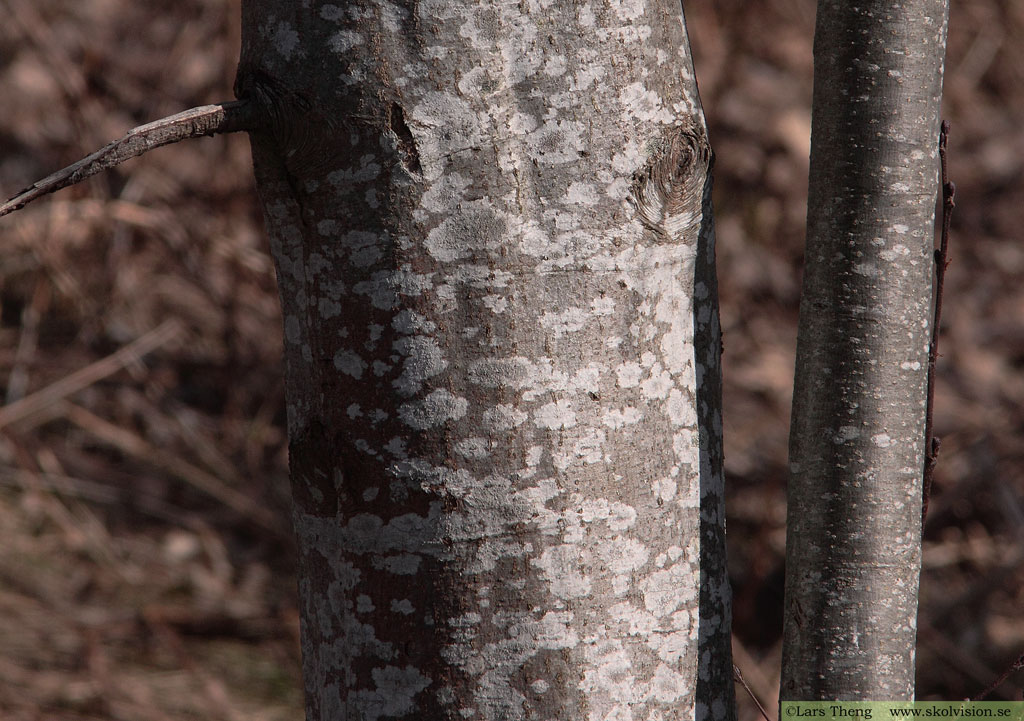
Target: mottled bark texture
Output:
{"points": [[857, 440], [492, 229]]}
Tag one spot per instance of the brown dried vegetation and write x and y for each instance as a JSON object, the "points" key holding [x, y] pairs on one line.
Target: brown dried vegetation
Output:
{"points": [[146, 571]]}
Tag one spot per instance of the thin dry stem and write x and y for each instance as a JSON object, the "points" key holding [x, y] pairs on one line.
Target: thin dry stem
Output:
{"points": [[134, 445], [92, 373], [931, 443], [738, 677], [193, 123], [1016, 665]]}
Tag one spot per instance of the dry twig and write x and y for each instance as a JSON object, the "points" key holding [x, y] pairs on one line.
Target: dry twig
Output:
{"points": [[931, 443], [92, 373], [1016, 665], [738, 677], [134, 445], [193, 123]]}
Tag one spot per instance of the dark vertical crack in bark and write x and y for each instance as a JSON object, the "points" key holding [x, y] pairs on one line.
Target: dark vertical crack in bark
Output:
{"points": [[406, 142]]}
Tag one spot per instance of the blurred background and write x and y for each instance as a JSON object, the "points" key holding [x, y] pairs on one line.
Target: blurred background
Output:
{"points": [[146, 570]]}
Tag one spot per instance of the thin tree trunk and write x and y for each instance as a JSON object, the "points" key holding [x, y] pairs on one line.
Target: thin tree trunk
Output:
{"points": [[492, 230], [857, 440]]}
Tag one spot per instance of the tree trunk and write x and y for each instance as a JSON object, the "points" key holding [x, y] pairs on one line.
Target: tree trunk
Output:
{"points": [[494, 247], [857, 439]]}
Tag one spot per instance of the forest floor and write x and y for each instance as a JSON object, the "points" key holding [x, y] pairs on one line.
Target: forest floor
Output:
{"points": [[146, 571]]}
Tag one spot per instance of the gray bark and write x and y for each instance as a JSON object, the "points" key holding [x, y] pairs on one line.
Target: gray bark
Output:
{"points": [[857, 439], [492, 230]]}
